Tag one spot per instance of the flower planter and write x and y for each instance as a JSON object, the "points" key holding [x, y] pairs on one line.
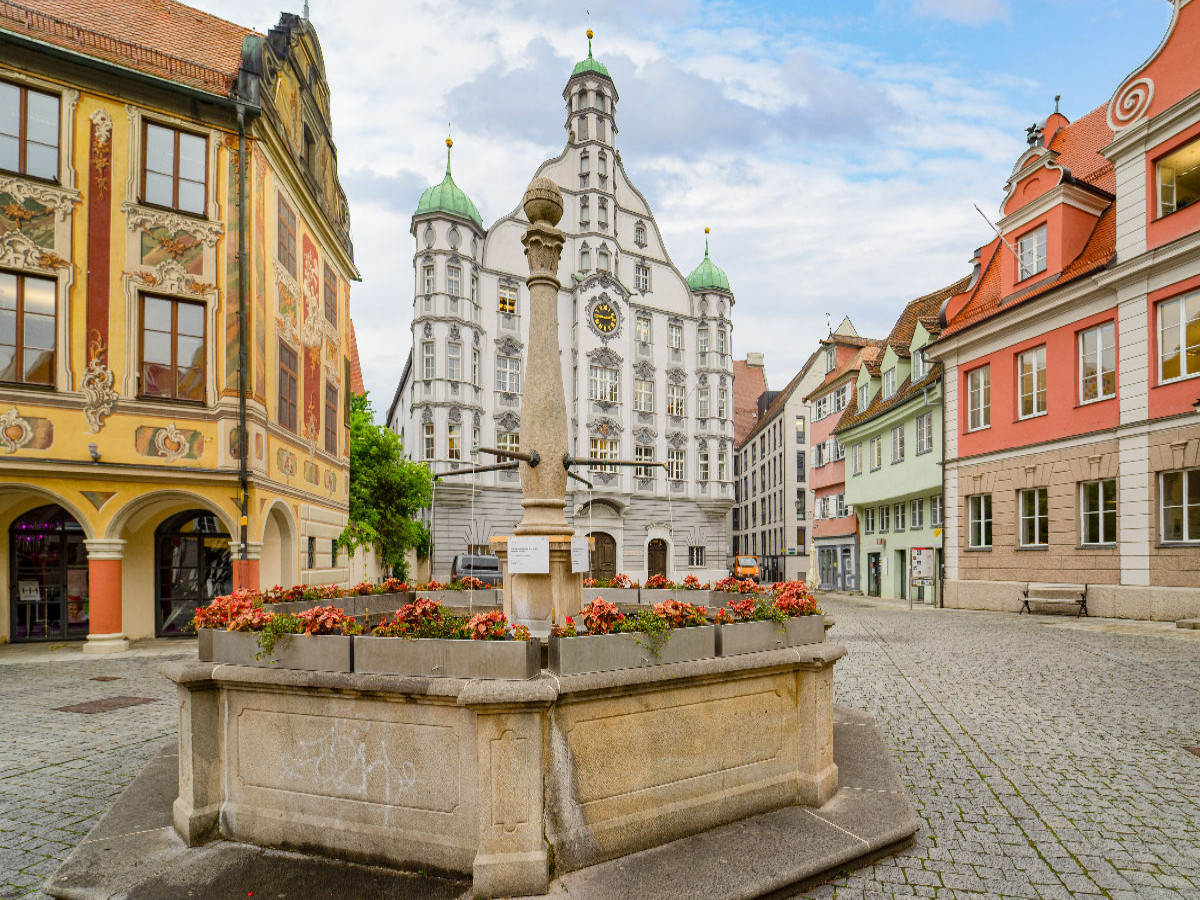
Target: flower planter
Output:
{"points": [[318, 653], [754, 637], [480, 599], [605, 652], [697, 597], [205, 639], [430, 657], [619, 596]]}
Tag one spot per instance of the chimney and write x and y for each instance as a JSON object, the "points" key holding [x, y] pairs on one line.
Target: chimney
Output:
{"points": [[754, 361]]}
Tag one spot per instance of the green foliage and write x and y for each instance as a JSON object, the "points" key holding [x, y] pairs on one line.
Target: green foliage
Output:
{"points": [[277, 625], [652, 631], [386, 491]]}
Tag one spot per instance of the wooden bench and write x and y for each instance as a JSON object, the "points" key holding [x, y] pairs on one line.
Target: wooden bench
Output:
{"points": [[1055, 595]]}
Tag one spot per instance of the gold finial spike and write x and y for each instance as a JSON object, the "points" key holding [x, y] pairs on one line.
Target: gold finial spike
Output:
{"points": [[706, 229], [706, 242], [449, 144], [589, 34]]}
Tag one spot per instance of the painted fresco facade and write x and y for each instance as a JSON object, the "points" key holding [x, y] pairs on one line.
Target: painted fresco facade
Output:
{"points": [[1072, 361], [647, 363], [120, 497]]}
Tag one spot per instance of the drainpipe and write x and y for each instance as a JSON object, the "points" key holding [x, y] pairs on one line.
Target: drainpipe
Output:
{"points": [[244, 460], [941, 581]]}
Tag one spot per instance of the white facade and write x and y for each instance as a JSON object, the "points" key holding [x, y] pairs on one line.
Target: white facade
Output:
{"points": [[647, 366]]}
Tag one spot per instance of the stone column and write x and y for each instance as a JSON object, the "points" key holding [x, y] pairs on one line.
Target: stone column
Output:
{"points": [[246, 573], [196, 810], [818, 780], [104, 597], [543, 400]]}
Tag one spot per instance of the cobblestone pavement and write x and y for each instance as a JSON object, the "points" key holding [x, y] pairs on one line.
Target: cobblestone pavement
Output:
{"points": [[1045, 755], [60, 771]]}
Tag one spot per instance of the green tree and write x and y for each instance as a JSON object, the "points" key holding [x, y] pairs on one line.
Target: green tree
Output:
{"points": [[386, 491]]}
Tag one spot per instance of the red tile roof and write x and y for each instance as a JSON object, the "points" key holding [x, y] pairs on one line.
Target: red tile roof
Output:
{"points": [[1078, 147], [158, 37], [356, 377], [872, 352], [749, 383]]}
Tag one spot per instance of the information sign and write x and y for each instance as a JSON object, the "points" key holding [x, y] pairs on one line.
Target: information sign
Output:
{"points": [[528, 555]]}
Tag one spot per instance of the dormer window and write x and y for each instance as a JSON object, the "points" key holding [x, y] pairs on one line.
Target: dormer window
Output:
{"points": [[889, 383], [864, 396], [830, 359], [1179, 179], [1031, 253], [918, 365]]}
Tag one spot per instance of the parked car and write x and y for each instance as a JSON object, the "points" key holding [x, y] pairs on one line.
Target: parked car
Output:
{"points": [[485, 568], [745, 567]]}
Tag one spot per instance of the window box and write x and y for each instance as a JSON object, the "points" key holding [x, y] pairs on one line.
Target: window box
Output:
{"points": [[436, 658], [316, 653], [756, 637], [609, 652]]}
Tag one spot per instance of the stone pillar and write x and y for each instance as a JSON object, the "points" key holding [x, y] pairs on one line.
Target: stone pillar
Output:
{"points": [[814, 696], [513, 858], [104, 597], [196, 810], [245, 573], [543, 400]]}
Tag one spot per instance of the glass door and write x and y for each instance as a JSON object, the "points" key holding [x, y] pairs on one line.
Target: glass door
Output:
{"points": [[48, 583]]}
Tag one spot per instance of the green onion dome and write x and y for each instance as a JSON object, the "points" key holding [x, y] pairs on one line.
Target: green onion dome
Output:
{"points": [[590, 64], [448, 197], [708, 276]]}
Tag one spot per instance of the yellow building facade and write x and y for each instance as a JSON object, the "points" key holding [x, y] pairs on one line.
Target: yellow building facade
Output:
{"points": [[175, 337]]}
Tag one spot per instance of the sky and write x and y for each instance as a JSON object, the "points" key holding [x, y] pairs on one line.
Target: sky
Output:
{"points": [[836, 149]]}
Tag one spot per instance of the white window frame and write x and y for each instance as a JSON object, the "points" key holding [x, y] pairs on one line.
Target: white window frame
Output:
{"points": [[507, 295], [1167, 186], [508, 374], [916, 513], [430, 441], [1105, 338], [642, 453], [869, 520], [476, 366], [1178, 306], [1031, 374], [642, 329], [702, 403], [876, 453], [889, 383], [937, 511], [898, 515], [885, 518], [676, 401], [429, 360], [676, 464], [604, 449], [722, 466], [918, 365], [898, 444], [643, 395], [864, 396], [1105, 528], [454, 361], [508, 440], [454, 441], [641, 277], [604, 384], [924, 427], [979, 521], [979, 398], [454, 281], [722, 402], [1185, 506], [675, 332], [702, 469], [1033, 528], [856, 460], [1031, 253], [430, 278]]}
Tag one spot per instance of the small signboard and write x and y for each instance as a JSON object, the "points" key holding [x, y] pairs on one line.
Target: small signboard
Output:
{"points": [[528, 555], [30, 592], [579, 554], [922, 566]]}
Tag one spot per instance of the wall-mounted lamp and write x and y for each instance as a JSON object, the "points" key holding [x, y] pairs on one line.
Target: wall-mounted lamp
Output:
{"points": [[94, 450]]}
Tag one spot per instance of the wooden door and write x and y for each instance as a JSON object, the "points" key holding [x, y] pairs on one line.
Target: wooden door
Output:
{"points": [[656, 563], [604, 555]]}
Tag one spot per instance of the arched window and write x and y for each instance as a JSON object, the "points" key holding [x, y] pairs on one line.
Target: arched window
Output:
{"points": [[193, 564], [639, 234]]}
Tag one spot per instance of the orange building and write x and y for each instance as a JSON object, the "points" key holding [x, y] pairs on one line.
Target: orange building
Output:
{"points": [[175, 342], [1072, 359]]}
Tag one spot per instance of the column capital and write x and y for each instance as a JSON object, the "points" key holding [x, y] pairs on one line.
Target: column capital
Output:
{"points": [[105, 548], [253, 550]]}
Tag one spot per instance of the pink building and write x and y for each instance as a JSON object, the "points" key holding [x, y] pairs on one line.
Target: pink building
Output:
{"points": [[1072, 361], [834, 529]]}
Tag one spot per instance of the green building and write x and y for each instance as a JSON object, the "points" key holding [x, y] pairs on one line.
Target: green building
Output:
{"points": [[892, 434]]}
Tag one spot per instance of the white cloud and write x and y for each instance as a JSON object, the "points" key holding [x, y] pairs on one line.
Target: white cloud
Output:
{"points": [[964, 12], [834, 180]]}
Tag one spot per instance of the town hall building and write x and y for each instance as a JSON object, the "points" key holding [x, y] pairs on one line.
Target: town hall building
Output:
{"points": [[647, 363]]}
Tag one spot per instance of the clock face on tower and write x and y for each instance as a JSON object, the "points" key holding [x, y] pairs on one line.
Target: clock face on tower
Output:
{"points": [[604, 317]]}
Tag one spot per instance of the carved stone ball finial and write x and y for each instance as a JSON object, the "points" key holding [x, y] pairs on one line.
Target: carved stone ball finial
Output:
{"points": [[543, 202]]}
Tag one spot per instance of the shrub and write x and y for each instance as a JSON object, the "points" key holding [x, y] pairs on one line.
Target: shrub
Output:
{"points": [[680, 615], [659, 582], [795, 599], [600, 616]]}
